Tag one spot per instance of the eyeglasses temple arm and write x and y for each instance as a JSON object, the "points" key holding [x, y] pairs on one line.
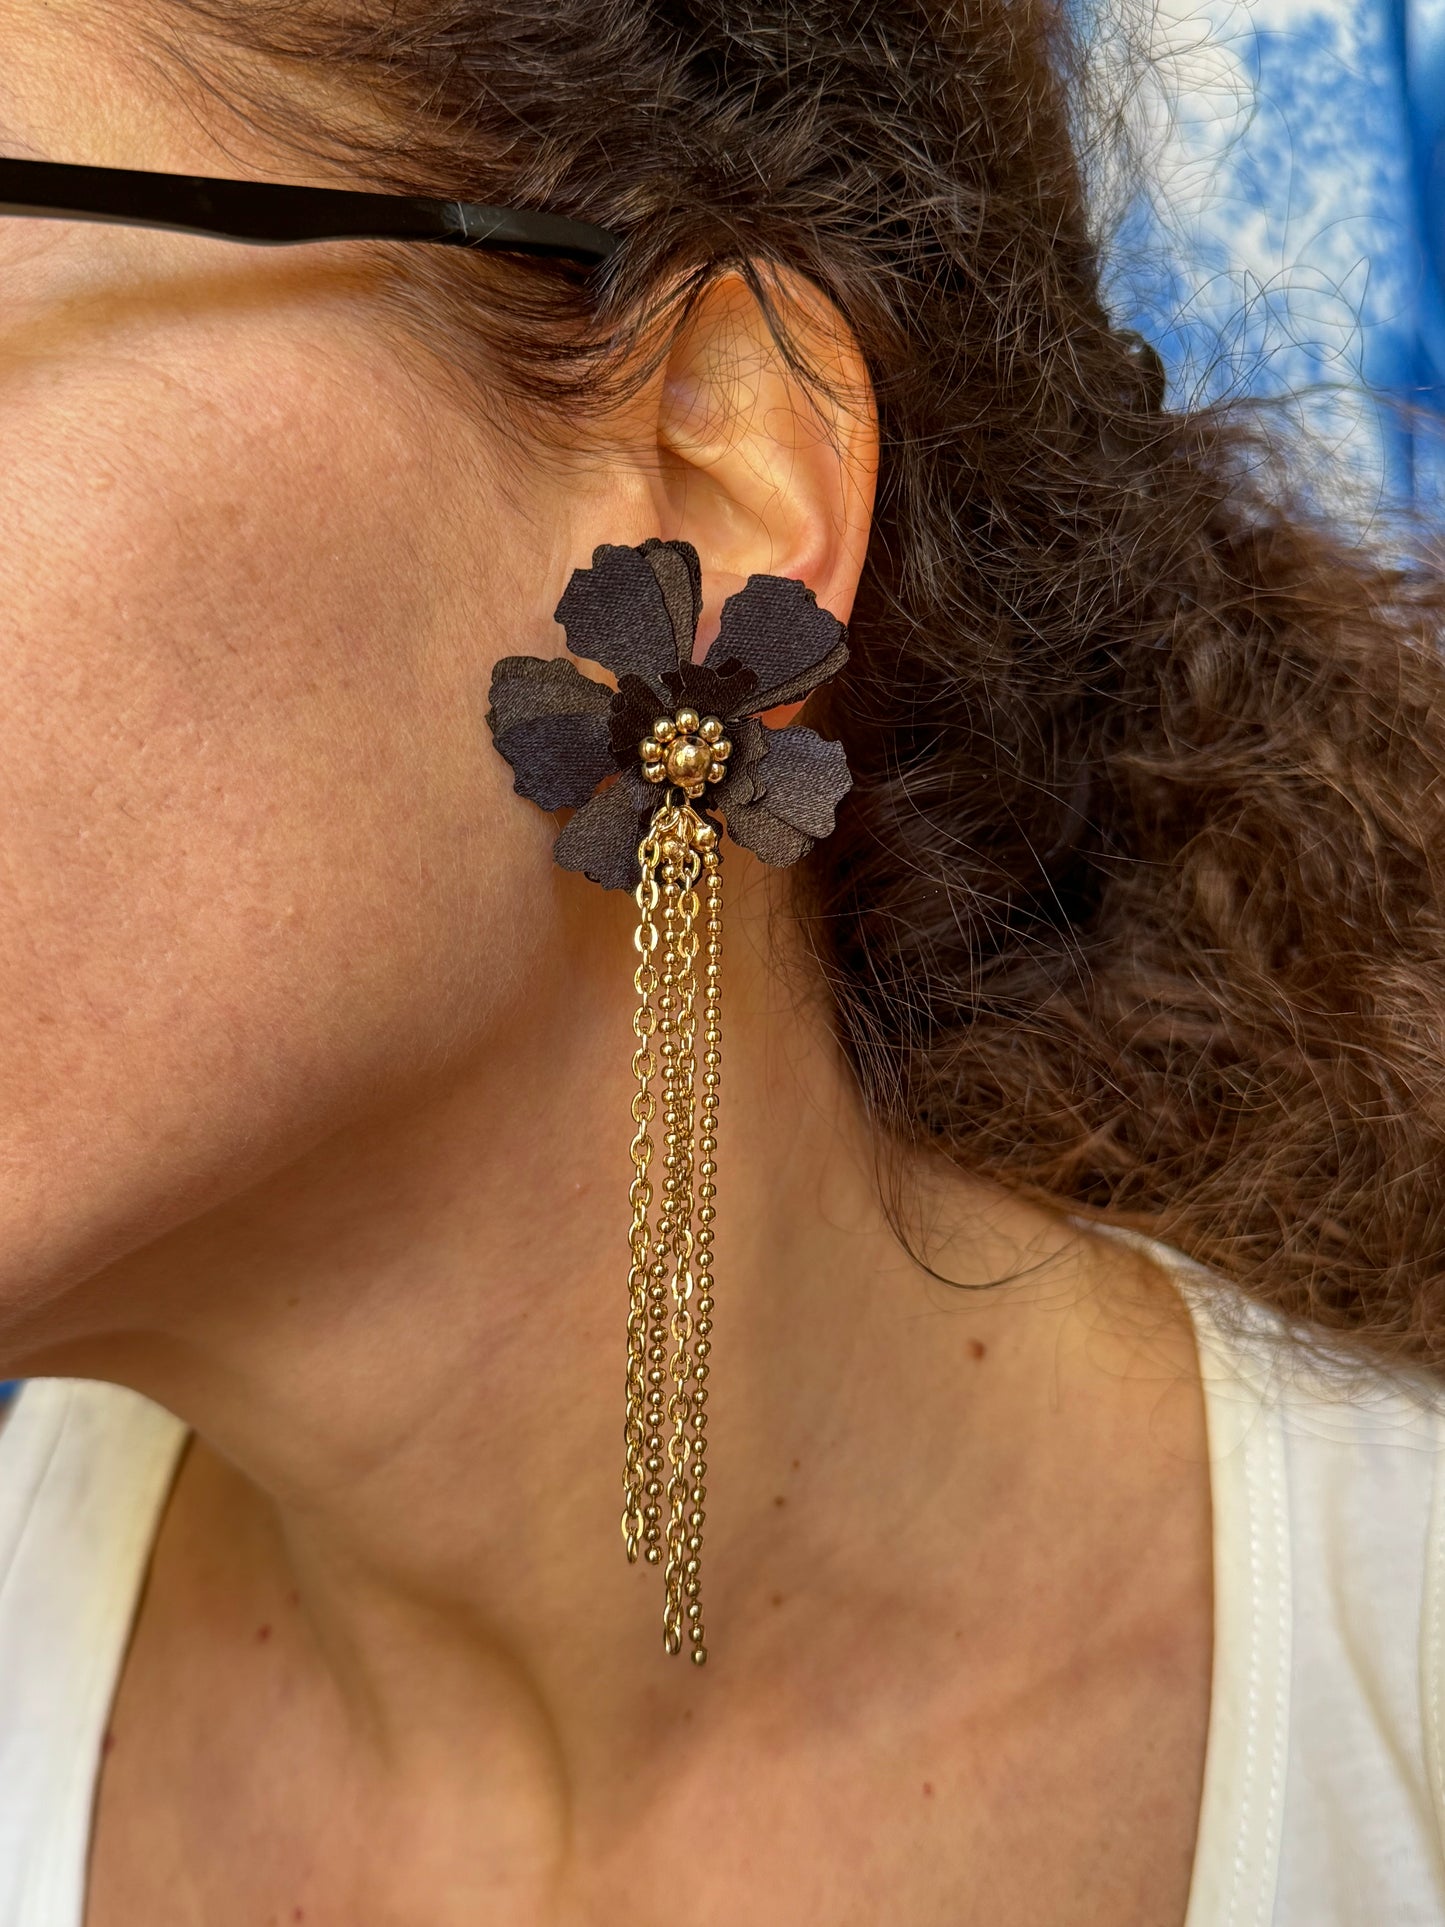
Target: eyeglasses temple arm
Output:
{"points": [[271, 213]]}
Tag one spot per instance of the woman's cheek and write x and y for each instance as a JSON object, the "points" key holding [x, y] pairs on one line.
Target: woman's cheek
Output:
{"points": [[242, 794]]}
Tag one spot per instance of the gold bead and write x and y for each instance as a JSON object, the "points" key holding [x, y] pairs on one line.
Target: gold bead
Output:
{"points": [[699, 1655], [710, 728], [664, 729], [722, 749], [705, 836], [655, 772], [688, 721], [687, 760], [650, 750], [716, 772]]}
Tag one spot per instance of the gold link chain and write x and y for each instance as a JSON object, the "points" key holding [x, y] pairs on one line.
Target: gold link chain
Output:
{"points": [[671, 1255], [644, 1109]]}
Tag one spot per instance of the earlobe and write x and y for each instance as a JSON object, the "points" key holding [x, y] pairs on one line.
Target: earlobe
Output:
{"points": [[760, 470]]}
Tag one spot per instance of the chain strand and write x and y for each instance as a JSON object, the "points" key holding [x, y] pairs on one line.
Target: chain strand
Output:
{"points": [[707, 1192], [644, 1110], [669, 1257], [660, 1266], [679, 1408]]}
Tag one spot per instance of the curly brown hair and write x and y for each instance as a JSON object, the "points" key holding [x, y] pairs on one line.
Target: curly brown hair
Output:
{"points": [[1136, 906]]}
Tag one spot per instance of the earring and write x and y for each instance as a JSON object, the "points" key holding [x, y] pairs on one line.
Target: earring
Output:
{"points": [[681, 740]]}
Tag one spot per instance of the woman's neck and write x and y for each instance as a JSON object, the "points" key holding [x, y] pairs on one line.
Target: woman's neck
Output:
{"points": [[403, 1356]]}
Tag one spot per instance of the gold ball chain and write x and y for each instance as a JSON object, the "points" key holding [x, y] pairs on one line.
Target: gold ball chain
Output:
{"points": [[681, 848]]}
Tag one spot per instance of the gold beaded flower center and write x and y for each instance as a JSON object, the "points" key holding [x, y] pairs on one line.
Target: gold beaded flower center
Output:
{"points": [[686, 749]]}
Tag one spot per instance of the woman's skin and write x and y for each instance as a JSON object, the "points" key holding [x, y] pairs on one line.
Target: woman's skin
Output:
{"points": [[315, 1129]]}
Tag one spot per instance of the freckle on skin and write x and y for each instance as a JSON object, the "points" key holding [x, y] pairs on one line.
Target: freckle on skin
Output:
{"points": [[796, 1464], [976, 1348], [293, 1598], [928, 1789], [107, 1743], [777, 1599], [263, 1633], [780, 1500]]}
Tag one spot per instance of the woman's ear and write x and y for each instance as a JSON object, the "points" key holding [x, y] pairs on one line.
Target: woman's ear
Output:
{"points": [[762, 470]]}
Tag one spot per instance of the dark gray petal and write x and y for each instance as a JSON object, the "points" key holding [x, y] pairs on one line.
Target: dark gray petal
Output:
{"points": [[602, 838], [740, 785], [615, 613], [768, 836], [634, 710], [774, 627], [528, 686], [679, 576], [802, 778], [712, 688], [558, 760]]}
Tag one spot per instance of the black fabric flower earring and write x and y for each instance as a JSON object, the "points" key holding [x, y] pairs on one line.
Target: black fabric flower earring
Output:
{"points": [[678, 740]]}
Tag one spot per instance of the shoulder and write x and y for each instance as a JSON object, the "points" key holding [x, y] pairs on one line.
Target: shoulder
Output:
{"points": [[1328, 1486], [1328, 1482]]}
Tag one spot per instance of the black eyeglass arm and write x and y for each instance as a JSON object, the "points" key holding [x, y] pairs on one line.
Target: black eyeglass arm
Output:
{"points": [[270, 213]]}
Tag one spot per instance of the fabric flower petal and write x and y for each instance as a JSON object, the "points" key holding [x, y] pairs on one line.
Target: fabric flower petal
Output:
{"points": [[740, 785], [558, 760], [679, 576], [528, 686], [802, 778], [635, 709], [767, 836], [774, 627], [616, 613], [784, 796], [601, 839], [712, 688]]}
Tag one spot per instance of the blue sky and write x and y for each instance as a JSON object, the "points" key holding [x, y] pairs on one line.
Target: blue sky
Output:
{"points": [[1292, 240]]}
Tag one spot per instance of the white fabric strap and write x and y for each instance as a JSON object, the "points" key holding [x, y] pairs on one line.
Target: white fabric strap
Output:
{"points": [[86, 1470]]}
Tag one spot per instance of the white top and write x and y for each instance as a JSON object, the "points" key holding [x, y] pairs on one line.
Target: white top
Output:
{"points": [[1324, 1782]]}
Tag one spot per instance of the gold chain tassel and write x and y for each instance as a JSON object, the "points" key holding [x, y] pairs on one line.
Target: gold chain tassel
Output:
{"points": [[679, 850]]}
